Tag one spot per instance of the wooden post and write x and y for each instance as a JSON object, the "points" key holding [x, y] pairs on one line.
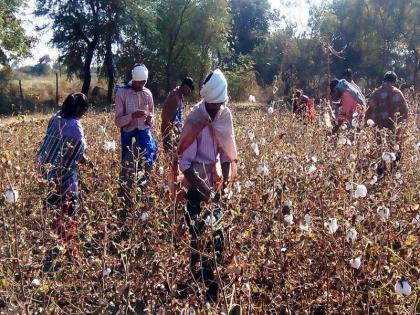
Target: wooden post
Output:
{"points": [[56, 88]]}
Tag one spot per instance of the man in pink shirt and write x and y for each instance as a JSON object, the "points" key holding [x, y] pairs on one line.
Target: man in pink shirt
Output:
{"points": [[206, 141], [134, 115]]}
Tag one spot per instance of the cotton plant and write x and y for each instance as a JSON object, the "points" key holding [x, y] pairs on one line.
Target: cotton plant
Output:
{"points": [[361, 191], [356, 262], [109, 145], [262, 169], [331, 225], [383, 213], [255, 149], [402, 287], [351, 235], [11, 195]]}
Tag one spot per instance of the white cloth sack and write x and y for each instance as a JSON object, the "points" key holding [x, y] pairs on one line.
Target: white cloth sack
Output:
{"points": [[215, 90]]}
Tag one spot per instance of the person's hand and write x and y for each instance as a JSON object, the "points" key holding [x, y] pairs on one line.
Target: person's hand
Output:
{"points": [[150, 120], [138, 114]]}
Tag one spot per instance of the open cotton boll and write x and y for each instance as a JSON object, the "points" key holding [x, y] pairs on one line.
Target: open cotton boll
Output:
{"points": [[374, 180], [305, 228], [102, 130], [263, 141], [251, 135], [398, 175], [161, 170], [311, 169], [288, 203], [255, 148], [262, 169], [36, 282], [389, 156], [416, 220], [343, 141], [109, 145], [106, 272], [370, 123], [270, 110], [361, 191], [356, 262], [402, 287], [331, 225], [248, 184], [349, 186], [11, 195], [209, 220], [383, 213], [351, 235], [417, 146], [308, 219], [288, 218], [359, 218], [144, 216]]}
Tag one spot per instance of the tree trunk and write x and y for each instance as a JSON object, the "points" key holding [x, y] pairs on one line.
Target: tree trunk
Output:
{"points": [[168, 77], [86, 66], [110, 69]]}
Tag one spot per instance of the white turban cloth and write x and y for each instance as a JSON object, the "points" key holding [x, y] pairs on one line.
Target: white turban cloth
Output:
{"points": [[215, 89], [139, 73]]}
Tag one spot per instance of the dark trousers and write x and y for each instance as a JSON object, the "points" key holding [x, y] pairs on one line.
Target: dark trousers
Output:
{"points": [[203, 256]]}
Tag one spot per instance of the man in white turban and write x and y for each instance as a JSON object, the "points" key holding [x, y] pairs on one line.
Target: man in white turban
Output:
{"points": [[207, 145], [134, 115]]}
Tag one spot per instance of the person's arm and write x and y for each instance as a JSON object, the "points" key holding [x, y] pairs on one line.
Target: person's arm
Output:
{"points": [[168, 112], [121, 120]]}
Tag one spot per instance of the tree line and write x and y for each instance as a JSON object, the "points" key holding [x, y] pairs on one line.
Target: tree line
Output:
{"points": [[246, 38]]}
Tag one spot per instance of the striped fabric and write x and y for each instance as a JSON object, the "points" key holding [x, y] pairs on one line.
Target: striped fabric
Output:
{"points": [[58, 156]]}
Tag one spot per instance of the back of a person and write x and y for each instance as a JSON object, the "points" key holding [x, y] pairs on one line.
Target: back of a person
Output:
{"points": [[385, 103]]}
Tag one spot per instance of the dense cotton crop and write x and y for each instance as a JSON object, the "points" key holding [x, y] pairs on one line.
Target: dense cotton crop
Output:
{"points": [[313, 223]]}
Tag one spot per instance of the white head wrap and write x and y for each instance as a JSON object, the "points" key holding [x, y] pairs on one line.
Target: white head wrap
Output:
{"points": [[139, 73], [215, 90]]}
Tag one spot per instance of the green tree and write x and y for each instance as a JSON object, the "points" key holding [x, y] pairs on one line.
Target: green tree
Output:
{"points": [[13, 41]]}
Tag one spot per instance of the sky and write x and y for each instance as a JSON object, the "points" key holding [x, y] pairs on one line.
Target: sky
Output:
{"points": [[297, 11]]}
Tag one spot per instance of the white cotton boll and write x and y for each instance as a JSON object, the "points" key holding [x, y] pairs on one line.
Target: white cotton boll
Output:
{"points": [[248, 184], [102, 130], [393, 157], [237, 187], [305, 228], [394, 197], [106, 272], [109, 145], [351, 235], [374, 180], [359, 218], [342, 141], [353, 157], [283, 249], [402, 287], [36, 282], [270, 110], [246, 288], [370, 123], [250, 98], [355, 122], [288, 218], [255, 148], [383, 213], [398, 175], [166, 188], [417, 146], [396, 147], [416, 220], [262, 169], [331, 225], [257, 220], [11, 195], [349, 186], [361, 191], [356, 262], [263, 141], [311, 169], [308, 219], [209, 220], [144, 216], [396, 224], [355, 114], [251, 135], [314, 159], [288, 203], [161, 170]]}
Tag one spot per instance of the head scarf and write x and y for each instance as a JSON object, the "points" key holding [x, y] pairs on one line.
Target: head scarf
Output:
{"points": [[139, 73], [215, 89]]}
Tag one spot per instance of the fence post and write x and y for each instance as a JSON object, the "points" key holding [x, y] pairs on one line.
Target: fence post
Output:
{"points": [[56, 88]]}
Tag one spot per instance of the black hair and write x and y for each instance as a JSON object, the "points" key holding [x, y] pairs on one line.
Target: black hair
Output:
{"points": [[348, 73], [333, 84], [188, 82], [72, 102], [298, 93], [390, 77], [208, 78]]}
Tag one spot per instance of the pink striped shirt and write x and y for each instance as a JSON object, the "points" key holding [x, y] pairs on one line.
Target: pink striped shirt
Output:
{"points": [[204, 150], [128, 101]]}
